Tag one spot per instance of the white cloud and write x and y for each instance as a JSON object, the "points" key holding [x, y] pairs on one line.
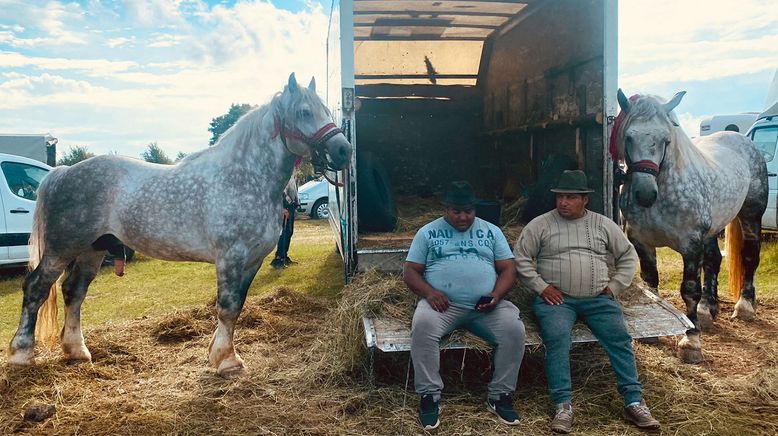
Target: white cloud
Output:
{"points": [[119, 42], [691, 123], [729, 39], [90, 66], [166, 40]]}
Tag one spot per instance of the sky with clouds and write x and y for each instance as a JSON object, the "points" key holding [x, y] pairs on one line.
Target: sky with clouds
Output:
{"points": [[114, 75]]}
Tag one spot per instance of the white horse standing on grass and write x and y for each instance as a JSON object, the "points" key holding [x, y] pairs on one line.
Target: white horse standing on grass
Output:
{"points": [[221, 205], [680, 194]]}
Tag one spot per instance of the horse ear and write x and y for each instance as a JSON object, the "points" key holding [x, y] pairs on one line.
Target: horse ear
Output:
{"points": [[675, 101], [312, 85], [623, 101], [292, 83]]}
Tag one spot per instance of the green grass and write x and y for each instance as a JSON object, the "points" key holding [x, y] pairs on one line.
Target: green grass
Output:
{"points": [[670, 266], [152, 287]]}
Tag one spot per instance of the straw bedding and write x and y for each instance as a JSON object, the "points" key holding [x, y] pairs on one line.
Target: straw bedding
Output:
{"points": [[309, 373]]}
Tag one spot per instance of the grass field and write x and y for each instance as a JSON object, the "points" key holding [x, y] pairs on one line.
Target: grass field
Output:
{"points": [[149, 331], [152, 287]]}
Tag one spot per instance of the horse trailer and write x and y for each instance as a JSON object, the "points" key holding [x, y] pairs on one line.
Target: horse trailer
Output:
{"points": [[493, 92]]}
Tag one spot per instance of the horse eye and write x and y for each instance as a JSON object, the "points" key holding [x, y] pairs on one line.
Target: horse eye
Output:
{"points": [[306, 113]]}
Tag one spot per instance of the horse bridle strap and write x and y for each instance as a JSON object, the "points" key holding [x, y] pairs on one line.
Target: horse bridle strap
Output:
{"points": [[644, 166], [316, 140]]}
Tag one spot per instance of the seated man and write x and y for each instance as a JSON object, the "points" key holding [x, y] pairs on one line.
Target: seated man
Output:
{"points": [[462, 268], [561, 255]]}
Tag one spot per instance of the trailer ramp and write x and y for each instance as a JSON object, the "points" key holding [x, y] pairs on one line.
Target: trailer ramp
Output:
{"points": [[651, 317]]}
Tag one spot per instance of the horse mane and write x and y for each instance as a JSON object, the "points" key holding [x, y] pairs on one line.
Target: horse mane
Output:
{"points": [[651, 106], [246, 126]]}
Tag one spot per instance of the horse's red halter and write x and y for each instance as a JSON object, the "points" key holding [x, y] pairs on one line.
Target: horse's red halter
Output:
{"points": [[315, 141], [643, 166]]}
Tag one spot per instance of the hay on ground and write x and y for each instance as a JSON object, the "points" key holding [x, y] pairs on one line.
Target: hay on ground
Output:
{"points": [[139, 385]]}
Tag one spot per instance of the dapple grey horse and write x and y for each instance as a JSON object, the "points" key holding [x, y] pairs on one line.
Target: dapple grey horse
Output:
{"points": [[680, 194], [221, 205]]}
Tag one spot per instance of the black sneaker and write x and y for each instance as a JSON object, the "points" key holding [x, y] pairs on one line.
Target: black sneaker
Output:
{"points": [[288, 261], [428, 412], [277, 263], [503, 408]]}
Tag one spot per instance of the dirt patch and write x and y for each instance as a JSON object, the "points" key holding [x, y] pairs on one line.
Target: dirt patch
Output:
{"points": [[304, 379]]}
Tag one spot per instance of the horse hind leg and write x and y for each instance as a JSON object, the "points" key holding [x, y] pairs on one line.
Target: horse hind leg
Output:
{"points": [[708, 308], [80, 275], [745, 308], [234, 277], [36, 288]]}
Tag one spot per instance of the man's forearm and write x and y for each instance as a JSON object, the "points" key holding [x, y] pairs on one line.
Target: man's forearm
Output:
{"points": [[504, 283]]}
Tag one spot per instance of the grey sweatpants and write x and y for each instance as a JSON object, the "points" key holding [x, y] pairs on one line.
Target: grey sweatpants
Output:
{"points": [[502, 327]]}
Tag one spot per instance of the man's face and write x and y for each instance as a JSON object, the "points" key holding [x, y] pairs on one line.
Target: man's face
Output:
{"points": [[460, 218], [571, 206]]}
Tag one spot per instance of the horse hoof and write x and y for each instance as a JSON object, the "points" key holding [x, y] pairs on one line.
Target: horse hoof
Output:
{"points": [[76, 354], [24, 357], [230, 372], [744, 310], [690, 348]]}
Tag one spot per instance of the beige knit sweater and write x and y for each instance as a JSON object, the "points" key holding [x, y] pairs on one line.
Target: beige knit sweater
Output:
{"points": [[573, 255]]}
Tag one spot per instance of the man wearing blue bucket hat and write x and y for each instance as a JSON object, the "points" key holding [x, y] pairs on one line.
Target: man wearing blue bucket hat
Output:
{"points": [[462, 267], [562, 255]]}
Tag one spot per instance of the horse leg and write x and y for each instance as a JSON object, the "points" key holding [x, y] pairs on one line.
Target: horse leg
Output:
{"points": [[690, 348], [234, 276], [708, 308], [74, 289], [36, 289], [647, 256], [745, 308]]}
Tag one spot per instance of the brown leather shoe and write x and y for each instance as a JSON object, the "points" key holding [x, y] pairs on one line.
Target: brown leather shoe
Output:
{"points": [[563, 419], [641, 416]]}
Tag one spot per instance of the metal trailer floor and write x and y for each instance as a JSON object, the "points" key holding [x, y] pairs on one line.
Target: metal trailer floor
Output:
{"points": [[644, 320]]}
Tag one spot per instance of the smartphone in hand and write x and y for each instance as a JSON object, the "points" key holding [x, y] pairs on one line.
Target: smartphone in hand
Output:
{"points": [[486, 299]]}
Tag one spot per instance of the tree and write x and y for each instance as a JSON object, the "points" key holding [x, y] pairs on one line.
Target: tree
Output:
{"points": [[180, 156], [154, 154], [74, 155], [221, 123]]}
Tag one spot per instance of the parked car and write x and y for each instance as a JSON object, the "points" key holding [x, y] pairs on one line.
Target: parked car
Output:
{"points": [[313, 198], [19, 183], [764, 133]]}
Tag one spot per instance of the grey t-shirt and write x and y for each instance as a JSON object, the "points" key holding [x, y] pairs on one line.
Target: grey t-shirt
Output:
{"points": [[460, 264]]}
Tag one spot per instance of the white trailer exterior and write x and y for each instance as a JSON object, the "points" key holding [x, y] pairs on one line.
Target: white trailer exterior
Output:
{"points": [[41, 147]]}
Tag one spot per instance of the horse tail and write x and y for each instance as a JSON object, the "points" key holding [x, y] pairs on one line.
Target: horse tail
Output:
{"points": [[46, 327], [733, 243]]}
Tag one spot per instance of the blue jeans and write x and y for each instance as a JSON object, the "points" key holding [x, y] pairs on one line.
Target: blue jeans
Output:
{"points": [[604, 317]]}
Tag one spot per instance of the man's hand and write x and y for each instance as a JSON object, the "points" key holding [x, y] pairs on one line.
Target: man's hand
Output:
{"points": [[489, 306], [437, 300], [285, 213], [552, 295]]}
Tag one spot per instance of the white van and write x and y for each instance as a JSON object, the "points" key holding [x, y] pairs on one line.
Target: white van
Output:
{"points": [[764, 134], [733, 123], [18, 191]]}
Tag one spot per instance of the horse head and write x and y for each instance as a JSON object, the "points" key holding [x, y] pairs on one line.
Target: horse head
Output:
{"points": [[307, 128], [647, 130]]}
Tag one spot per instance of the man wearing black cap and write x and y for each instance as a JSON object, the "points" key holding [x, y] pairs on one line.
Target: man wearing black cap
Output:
{"points": [[462, 267], [562, 255]]}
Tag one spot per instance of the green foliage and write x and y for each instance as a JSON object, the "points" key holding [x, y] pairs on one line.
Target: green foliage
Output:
{"points": [[74, 155], [180, 156], [221, 123], [154, 154]]}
